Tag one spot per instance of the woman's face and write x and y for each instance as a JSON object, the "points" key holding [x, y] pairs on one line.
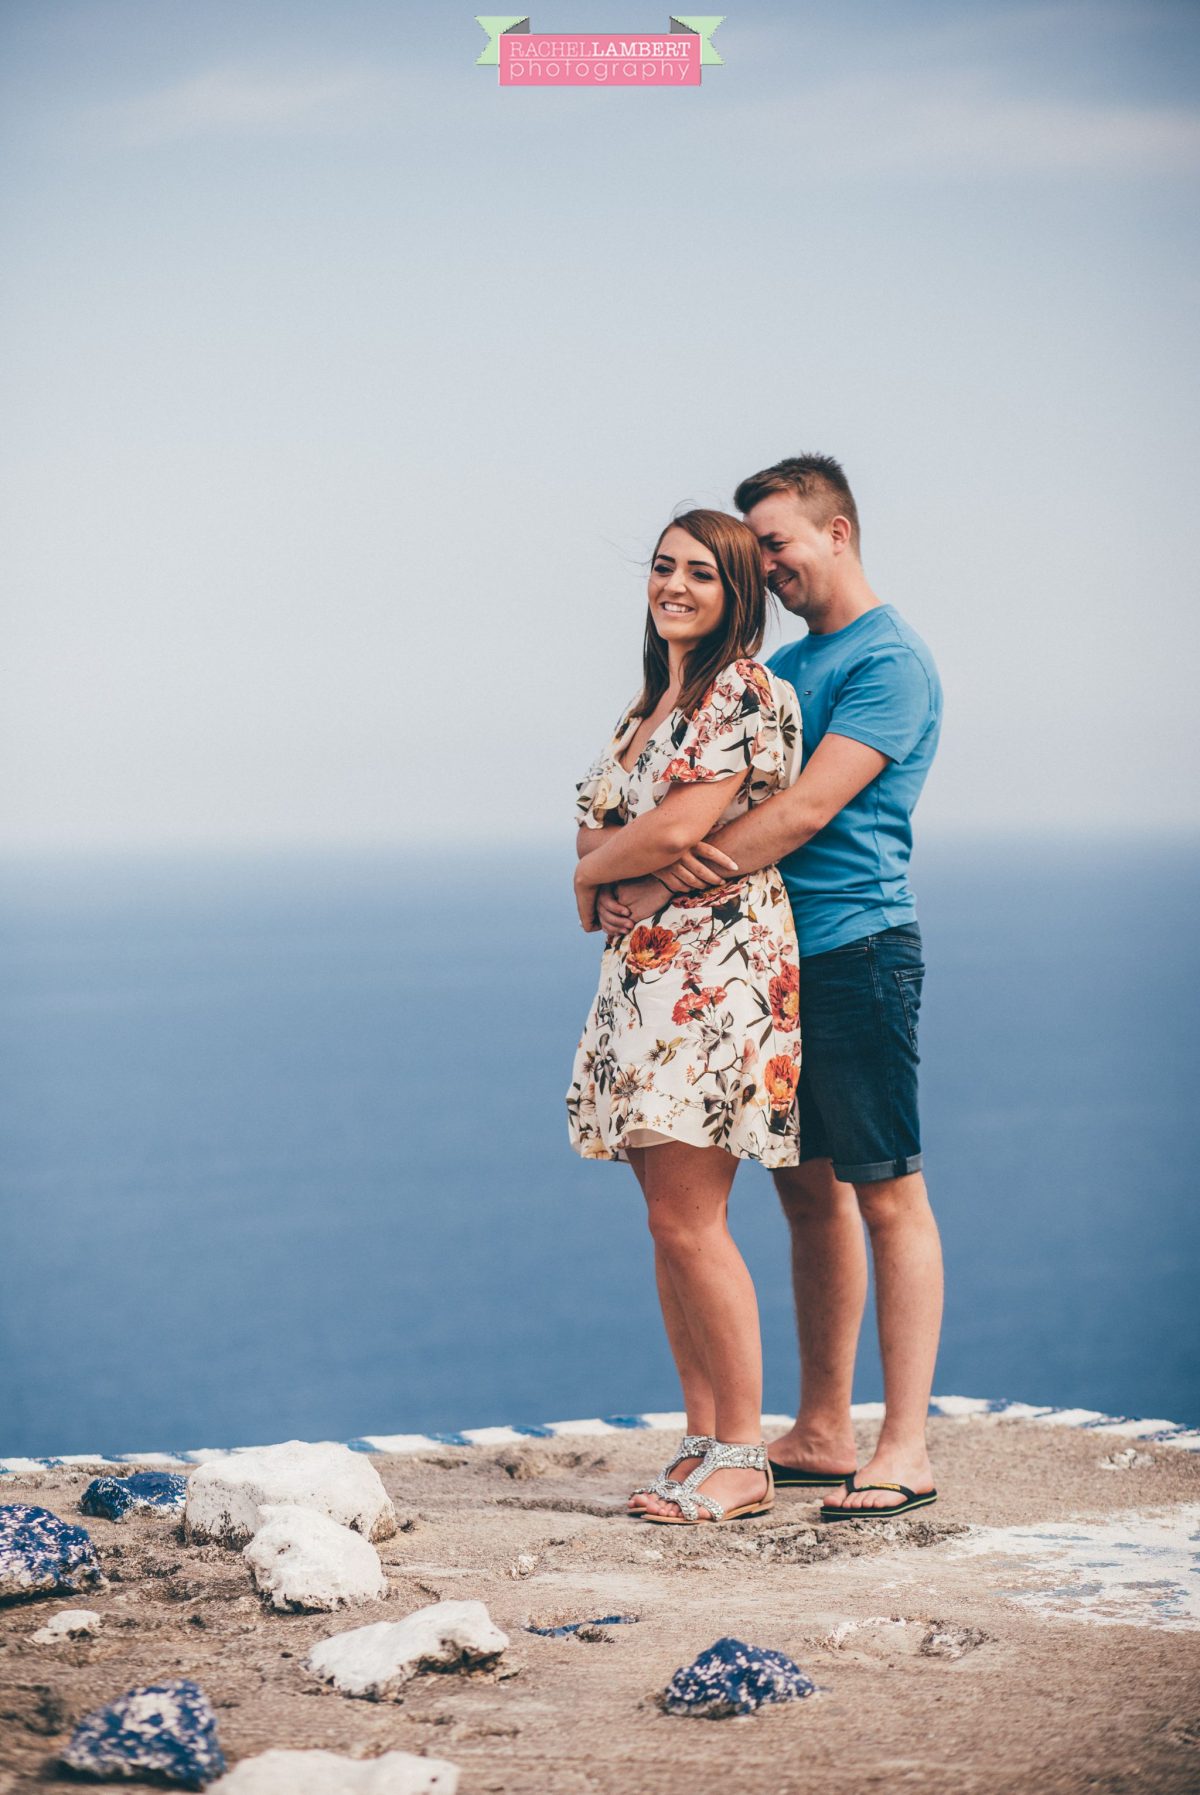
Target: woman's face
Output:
{"points": [[687, 600]]}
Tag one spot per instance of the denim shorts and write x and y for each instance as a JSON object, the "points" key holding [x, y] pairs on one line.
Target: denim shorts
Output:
{"points": [[859, 1007]]}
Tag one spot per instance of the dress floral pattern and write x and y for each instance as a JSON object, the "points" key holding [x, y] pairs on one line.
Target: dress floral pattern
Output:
{"points": [[694, 1034]]}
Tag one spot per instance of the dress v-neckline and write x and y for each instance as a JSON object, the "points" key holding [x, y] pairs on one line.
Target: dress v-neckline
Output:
{"points": [[621, 746]]}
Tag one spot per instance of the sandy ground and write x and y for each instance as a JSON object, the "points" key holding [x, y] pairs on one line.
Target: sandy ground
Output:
{"points": [[1059, 1686]]}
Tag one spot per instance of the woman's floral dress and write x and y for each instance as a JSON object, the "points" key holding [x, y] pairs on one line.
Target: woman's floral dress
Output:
{"points": [[695, 1031]]}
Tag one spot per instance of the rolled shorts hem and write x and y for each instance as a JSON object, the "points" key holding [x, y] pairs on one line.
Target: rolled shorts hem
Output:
{"points": [[883, 1168]]}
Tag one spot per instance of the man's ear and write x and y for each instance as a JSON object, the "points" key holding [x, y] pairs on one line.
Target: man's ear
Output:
{"points": [[839, 529]]}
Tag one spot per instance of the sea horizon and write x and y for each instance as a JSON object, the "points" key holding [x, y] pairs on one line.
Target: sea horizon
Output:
{"points": [[285, 1150]]}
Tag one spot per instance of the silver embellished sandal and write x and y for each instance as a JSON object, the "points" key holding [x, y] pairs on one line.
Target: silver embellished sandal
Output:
{"points": [[719, 1457], [691, 1446]]}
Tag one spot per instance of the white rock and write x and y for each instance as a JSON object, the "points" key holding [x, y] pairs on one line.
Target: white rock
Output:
{"points": [[1128, 1460], [523, 1565], [878, 1636], [325, 1773], [69, 1623], [375, 1661], [304, 1560], [225, 1494]]}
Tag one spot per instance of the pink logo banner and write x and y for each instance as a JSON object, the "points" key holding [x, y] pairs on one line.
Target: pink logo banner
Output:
{"points": [[587, 59]]}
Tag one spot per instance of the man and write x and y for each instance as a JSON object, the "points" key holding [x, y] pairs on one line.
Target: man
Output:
{"points": [[842, 836]]}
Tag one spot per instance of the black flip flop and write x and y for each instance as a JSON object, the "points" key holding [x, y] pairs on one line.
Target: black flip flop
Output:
{"points": [[790, 1477], [912, 1499]]}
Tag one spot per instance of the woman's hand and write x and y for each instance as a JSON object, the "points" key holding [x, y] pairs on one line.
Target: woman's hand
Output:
{"points": [[701, 866]]}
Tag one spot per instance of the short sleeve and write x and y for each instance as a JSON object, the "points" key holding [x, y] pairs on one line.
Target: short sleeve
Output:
{"points": [[735, 728], [886, 702], [600, 795]]}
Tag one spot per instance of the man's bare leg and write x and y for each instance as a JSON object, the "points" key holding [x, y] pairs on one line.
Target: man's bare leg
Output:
{"points": [[908, 1300], [829, 1279], [685, 1350]]}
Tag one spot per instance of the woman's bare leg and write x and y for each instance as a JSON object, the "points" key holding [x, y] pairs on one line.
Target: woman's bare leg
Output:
{"points": [[689, 1360], [687, 1196]]}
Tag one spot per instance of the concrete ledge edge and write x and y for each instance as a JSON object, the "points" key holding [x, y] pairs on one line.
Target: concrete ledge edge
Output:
{"points": [[1161, 1433]]}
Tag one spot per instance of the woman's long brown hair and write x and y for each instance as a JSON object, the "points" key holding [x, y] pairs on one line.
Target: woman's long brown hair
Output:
{"points": [[739, 634]]}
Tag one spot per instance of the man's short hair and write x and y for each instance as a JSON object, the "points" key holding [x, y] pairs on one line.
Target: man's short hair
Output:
{"points": [[818, 480]]}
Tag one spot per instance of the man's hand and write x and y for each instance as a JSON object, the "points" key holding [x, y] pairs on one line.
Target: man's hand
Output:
{"points": [[585, 899], [612, 914], [622, 906]]}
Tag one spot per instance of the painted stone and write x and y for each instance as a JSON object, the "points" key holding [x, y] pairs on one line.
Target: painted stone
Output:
{"points": [[164, 1730], [39, 1554], [732, 1677], [376, 1661], [325, 1773], [304, 1560], [225, 1494], [577, 1628], [68, 1623], [145, 1492]]}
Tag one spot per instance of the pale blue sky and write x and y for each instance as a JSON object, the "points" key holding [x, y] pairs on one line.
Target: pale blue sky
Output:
{"points": [[346, 394]]}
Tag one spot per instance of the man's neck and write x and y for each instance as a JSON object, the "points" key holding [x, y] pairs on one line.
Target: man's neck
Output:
{"points": [[854, 601]]}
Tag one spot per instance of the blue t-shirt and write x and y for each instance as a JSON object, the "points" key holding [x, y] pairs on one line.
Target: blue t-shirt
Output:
{"points": [[876, 682]]}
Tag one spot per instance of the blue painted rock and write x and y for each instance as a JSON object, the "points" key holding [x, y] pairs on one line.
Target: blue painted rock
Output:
{"points": [[39, 1554], [166, 1730], [732, 1677], [156, 1492]]}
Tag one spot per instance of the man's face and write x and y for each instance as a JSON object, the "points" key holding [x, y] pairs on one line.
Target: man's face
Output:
{"points": [[799, 557]]}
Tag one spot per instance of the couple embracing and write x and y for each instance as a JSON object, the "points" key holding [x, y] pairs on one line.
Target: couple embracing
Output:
{"points": [[743, 844]]}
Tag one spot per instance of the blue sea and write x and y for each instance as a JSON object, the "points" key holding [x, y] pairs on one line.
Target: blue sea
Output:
{"points": [[284, 1148]]}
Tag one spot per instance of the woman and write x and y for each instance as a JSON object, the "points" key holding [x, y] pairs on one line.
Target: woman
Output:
{"points": [[691, 1052]]}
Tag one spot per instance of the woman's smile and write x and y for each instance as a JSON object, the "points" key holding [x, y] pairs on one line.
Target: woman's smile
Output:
{"points": [[685, 587]]}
